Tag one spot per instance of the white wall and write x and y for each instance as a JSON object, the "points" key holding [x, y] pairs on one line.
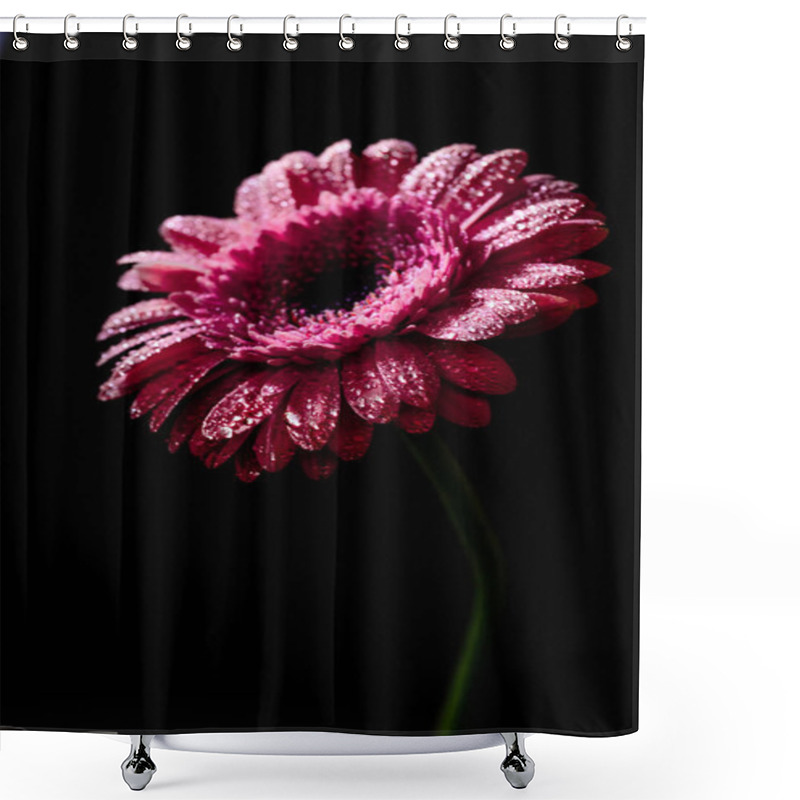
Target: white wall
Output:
{"points": [[720, 597]]}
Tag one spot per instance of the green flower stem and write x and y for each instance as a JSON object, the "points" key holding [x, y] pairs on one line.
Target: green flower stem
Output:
{"points": [[466, 514]]}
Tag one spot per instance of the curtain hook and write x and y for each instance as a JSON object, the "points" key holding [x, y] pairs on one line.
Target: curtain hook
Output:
{"points": [[71, 42], [561, 42], [20, 42], [623, 43], [346, 42], [452, 42], [129, 42], [289, 42], [401, 42], [507, 42], [234, 43], [182, 42]]}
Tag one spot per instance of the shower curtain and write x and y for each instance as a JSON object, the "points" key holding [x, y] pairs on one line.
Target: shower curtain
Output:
{"points": [[320, 385]]}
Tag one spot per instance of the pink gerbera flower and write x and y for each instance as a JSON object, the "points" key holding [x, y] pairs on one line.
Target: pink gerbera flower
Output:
{"points": [[349, 291]]}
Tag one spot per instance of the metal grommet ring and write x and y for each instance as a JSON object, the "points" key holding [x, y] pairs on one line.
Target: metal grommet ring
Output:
{"points": [[70, 42], [129, 42], [182, 42], [20, 43], [346, 42], [234, 44], [507, 42], [289, 42], [451, 42], [561, 42], [401, 42], [623, 44]]}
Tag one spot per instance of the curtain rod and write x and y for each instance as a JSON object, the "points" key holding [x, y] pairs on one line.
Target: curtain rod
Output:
{"points": [[330, 25]]}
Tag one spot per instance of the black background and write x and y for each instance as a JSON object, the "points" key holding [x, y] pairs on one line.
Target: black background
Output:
{"points": [[143, 592]]}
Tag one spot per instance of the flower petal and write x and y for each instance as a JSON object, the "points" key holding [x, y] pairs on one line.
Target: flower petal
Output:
{"points": [[262, 197], [247, 466], [318, 465], [338, 164], [473, 367], [415, 420], [365, 390], [139, 314], [512, 307], [560, 241], [464, 319], [203, 236], [469, 410], [352, 437], [305, 177], [406, 371], [437, 171], [313, 408], [273, 447], [384, 163]]}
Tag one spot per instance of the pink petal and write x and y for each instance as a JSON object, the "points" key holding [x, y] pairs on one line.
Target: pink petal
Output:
{"points": [[177, 381], [590, 269], [553, 311], [415, 420], [318, 465], [473, 367], [352, 437], [483, 182], [262, 197], [437, 171], [142, 313], [249, 403], [580, 296], [313, 408], [407, 372], [469, 410], [384, 163], [201, 235], [526, 276], [561, 241], [159, 278], [305, 177], [365, 390], [511, 306], [338, 164], [464, 319], [143, 336]]}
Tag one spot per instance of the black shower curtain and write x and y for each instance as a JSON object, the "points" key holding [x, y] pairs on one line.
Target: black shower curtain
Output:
{"points": [[393, 485]]}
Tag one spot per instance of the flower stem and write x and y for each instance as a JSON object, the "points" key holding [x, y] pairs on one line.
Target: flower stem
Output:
{"points": [[465, 512]]}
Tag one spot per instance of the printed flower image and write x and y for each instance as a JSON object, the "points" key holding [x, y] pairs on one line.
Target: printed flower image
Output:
{"points": [[348, 291]]}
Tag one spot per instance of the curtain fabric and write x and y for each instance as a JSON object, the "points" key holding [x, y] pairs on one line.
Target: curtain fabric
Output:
{"points": [[362, 453]]}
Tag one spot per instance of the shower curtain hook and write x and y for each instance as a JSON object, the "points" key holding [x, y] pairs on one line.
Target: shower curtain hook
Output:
{"points": [[234, 44], [401, 42], [289, 42], [20, 42], [71, 42], [507, 42], [346, 42], [129, 42], [182, 42], [561, 42], [452, 42], [623, 44]]}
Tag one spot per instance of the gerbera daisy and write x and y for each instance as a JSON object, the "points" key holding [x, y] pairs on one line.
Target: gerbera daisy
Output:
{"points": [[348, 291]]}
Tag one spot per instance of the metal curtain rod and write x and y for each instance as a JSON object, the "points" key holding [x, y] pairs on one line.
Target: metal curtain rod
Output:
{"points": [[597, 26]]}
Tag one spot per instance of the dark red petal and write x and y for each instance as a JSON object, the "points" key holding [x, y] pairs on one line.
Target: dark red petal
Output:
{"points": [[473, 367], [313, 407], [249, 403], [201, 235], [215, 454], [437, 171], [590, 269], [247, 466], [272, 445], [364, 388], [352, 436], [580, 296], [174, 382], [319, 464], [463, 320], [405, 369], [553, 311], [384, 163], [470, 410], [145, 312], [415, 420], [148, 360]]}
